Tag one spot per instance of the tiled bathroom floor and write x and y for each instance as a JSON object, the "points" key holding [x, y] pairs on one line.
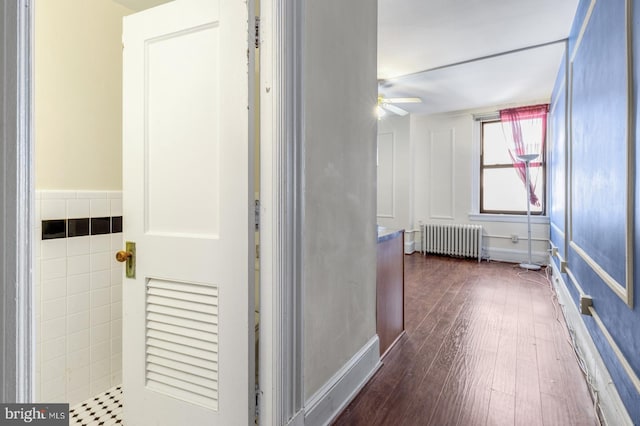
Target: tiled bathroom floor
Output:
{"points": [[104, 409]]}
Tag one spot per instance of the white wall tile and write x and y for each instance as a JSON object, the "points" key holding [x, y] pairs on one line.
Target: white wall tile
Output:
{"points": [[38, 330], [116, 310], [53, 391], [100, 208], [78, 322], [37, 275], [116, 293], [37, 247], [116, 378], [101, 261], [78, 341], [78, 291], [100, 333], [100, 352], [100, 315], [78, 377], [116, 329], [78, 284], [53, 268], [116, 369], [53, 249], [100, 369], [78, 303], [116, 346], [53, 209], [78, 265], [54, 348], [117, 242], [115, 265], [100, 279], [116, 275], [101, 243], [53, 289], [53, 309], [116, 207], [78, 246], [100, 385], [100, 297], [37, 209], [77, 395], [57, 195], [79, 358], [38, 326], [54, 369], [53, 329], [78, 208], [93, 194], [39, 387]]}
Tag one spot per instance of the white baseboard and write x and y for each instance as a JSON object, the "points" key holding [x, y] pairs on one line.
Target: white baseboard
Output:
{"points": [[409, 247], [338, 392], [515, 256], [611, 406]]}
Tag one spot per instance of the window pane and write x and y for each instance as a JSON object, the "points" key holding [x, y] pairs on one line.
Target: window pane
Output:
{"points": [[504, 191], [496, 144], [494, 147]]}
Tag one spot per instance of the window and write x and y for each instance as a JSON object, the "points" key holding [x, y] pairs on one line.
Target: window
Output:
{"points": [[502, 175]]}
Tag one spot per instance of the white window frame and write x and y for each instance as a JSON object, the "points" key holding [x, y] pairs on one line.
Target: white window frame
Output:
{"points": [[474, 214]]}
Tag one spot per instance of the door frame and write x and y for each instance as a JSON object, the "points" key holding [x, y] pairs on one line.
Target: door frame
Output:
{"points": [[281, 163], [281, 399], [17, 335]]}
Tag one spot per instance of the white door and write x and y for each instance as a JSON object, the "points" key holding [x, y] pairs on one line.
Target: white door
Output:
{"points": [[188, 331]]}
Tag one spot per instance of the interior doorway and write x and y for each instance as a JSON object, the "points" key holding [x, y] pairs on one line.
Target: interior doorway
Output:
{"points": [[78, 218]]}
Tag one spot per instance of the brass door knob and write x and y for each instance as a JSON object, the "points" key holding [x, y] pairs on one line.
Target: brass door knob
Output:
{"points": [[123, 256], [128, 255]]}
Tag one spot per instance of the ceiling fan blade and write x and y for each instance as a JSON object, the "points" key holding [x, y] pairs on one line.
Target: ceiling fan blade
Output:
{"points": [[401, 100], [394, 109]]}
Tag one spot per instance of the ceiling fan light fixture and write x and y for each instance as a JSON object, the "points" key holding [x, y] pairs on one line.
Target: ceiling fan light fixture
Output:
{"points": [[394, 109], [402, 100]]}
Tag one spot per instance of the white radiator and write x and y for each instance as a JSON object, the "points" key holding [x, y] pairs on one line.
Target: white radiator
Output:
{"points": [[452, 240]]}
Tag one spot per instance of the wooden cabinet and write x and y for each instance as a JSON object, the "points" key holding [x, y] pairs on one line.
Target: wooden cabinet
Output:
{"points": [[390, 289]]}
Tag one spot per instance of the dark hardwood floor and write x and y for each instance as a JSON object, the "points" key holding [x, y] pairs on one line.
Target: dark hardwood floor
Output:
{"points": [[485, 344]]}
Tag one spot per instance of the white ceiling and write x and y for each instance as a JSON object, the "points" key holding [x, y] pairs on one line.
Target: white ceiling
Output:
{"points": [[419, 35]]}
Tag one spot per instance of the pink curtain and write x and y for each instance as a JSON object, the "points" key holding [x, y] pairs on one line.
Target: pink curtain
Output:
{"points": [[525, 129]]}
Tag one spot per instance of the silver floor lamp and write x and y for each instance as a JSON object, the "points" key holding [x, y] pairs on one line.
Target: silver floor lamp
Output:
{"points": [[527, 158]]}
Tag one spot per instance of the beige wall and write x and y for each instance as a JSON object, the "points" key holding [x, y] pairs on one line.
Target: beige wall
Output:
{"points": [[78, 86], [339, 229]]}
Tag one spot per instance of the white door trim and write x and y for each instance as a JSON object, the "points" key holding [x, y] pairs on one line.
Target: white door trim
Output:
{"points": [[281, 165], [16, 199]]}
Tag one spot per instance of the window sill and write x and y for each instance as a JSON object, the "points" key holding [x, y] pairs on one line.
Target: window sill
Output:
{"points": [[511, 218]]}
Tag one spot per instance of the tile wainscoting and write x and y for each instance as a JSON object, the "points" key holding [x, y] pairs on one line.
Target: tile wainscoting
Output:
{"points": [[78, 294]]}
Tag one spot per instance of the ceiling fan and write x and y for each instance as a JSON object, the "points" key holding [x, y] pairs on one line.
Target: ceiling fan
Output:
{"points": [[389, 104]]}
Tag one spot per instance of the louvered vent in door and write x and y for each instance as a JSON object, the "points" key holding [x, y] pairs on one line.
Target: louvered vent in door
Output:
{"points": [[182, 341]]}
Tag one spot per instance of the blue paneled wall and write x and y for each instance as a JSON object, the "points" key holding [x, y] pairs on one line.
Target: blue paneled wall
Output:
{"points": [[594, 188]]}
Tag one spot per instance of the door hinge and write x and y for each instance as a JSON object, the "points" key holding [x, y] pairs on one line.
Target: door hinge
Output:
{"points": [[257, 31], [257, 214], [257, 402]]}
